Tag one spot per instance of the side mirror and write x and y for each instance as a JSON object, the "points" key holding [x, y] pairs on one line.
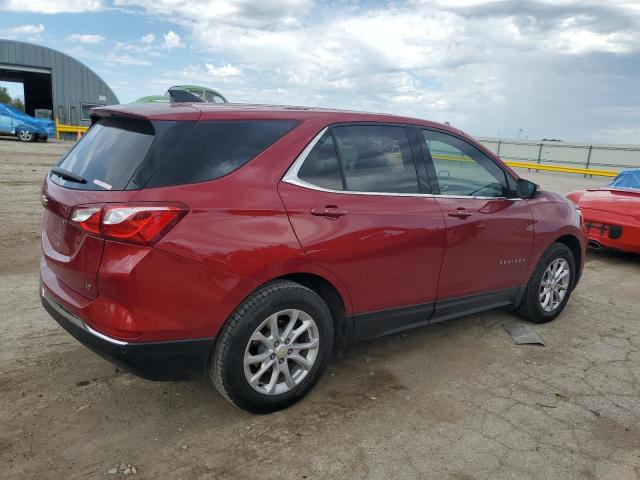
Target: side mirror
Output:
{"points": [[527, 189]]}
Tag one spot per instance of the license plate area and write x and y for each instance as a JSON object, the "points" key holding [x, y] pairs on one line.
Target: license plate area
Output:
{"points": [[604, 230]]}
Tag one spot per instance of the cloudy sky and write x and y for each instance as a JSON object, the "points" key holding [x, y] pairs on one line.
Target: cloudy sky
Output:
{"points": [[566, 69]]}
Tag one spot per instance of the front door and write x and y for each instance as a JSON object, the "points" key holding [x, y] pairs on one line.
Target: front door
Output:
{"points": [[359, 211], [490, 233]]}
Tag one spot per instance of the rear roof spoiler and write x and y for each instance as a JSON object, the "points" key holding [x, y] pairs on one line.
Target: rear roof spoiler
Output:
{"points": [[181, 96]]}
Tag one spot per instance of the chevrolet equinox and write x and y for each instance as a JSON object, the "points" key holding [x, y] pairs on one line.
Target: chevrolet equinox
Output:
{"points": [[246, 242]]}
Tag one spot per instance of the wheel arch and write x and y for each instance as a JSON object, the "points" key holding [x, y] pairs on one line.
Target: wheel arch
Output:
{"points": [[572, 242], [329, 293]]}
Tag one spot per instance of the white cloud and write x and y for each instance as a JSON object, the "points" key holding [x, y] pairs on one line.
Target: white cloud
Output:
{"points": [[171, 40], [27, 29], [148, 39], [86, 38], [542, 65], [262, 14], [125, 60], [223, 71], [52, 6]]}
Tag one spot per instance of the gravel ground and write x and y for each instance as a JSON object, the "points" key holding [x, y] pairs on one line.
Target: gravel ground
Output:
{"points": [[454, 401]]}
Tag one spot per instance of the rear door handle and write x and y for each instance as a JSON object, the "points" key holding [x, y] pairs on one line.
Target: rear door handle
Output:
{"points": [[460, 213], [330, 211]]}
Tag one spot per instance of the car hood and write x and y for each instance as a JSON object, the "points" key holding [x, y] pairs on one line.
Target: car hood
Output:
{"points": [[626, 202]]}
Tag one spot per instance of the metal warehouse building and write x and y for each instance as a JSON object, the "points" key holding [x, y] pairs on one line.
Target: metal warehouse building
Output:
{"points": [[54, 82]]}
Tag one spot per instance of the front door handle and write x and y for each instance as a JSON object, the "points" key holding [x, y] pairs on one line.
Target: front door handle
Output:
{"points": [[460, 212], [329, 211]]}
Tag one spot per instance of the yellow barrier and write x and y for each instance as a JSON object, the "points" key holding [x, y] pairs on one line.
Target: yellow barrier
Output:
{"points": [[539, 166], [60, 128], [557, 168]]}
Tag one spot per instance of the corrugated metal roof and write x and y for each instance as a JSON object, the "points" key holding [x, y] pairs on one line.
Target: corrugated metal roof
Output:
{"points": [[72, 82]]}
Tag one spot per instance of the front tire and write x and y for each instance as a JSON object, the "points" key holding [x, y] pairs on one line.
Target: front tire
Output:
{"points": [[550, 285], [274, 348], [25, 136]]}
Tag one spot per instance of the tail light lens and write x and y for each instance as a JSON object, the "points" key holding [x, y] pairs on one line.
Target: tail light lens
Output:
{"points": [[142, 224], [87, 218]]}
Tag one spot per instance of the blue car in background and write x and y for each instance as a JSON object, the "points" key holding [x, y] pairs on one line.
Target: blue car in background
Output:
{"points": [[28, 129]]}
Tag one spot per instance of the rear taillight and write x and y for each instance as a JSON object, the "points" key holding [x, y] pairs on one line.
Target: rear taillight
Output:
{"points": [[87, 218], [142, 224]]}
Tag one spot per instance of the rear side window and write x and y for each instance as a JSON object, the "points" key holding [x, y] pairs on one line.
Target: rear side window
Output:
{"points": [[108, 154], [213, 149], [321, 165], [376, 159]]}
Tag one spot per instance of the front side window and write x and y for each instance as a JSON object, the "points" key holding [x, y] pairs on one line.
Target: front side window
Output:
{"points": [[376, 158], [321, 165], [462, 169]]}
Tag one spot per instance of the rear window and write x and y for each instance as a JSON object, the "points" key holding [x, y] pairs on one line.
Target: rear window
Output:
{"points": [[213, 149], [123, 154], [108, 155]]}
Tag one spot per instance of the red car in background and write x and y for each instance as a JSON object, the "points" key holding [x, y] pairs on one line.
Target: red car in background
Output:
{"points": [[245, 242], [612, 213]]}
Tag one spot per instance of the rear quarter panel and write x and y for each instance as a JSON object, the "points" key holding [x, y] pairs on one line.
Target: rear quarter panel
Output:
{"points": [[239, 230]]}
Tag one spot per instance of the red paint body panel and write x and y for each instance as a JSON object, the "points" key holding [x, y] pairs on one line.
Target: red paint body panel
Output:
{"points": [[387, 249], [497, 237], [554, 218], [72, 254], [611, 207], [386, 252]]}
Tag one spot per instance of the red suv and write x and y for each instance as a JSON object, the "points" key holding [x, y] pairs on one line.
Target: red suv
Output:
{"points": [[247, 242]]}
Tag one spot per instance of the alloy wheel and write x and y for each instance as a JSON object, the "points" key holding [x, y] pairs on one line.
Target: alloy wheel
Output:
{"points": [[555, 284], [25, 135], [281, 352]]}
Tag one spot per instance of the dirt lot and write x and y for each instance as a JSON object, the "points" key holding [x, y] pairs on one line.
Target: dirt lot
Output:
{"points": [[457, 400]]}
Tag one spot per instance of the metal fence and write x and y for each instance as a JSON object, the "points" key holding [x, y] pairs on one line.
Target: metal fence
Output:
{"points": [[610, 157]]}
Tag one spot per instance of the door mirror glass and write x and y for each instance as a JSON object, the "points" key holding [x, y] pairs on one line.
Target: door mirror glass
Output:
{"points": [[527, 189]]}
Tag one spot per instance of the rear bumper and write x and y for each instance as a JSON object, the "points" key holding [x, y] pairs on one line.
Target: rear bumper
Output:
{"points": [[170, 360], [612, 230]]}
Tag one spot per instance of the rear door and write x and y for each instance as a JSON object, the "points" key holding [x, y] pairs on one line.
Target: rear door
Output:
{"points": [[359, 210], [489, 230]]}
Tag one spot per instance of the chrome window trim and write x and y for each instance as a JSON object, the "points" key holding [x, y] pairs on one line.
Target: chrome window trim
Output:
{"points": [[291, 177]]}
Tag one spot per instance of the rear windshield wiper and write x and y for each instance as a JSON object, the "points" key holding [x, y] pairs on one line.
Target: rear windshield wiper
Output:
{"points": [[67, 175]]}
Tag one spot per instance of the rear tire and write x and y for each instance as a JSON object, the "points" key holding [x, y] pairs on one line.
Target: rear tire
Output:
{"points": [[550, 285], [261, 370]]}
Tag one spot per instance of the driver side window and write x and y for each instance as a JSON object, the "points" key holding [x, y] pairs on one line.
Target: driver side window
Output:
{"points": [[462, 169]]}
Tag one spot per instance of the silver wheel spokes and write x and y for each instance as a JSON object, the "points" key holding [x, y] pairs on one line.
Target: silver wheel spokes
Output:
{"points": [[555, 284], [24, 135], [281, 352]]}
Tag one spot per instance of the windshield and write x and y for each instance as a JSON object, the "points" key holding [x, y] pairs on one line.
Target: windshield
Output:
{"points": [[629, 179]]}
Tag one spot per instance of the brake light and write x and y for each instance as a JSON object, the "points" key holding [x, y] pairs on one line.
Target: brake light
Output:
{"points": [[88, 218], [140, 224]]}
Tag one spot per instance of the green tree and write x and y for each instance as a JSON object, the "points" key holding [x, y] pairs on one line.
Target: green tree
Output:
{"points": [[4, 95], [17, 103], [6, 98]]}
